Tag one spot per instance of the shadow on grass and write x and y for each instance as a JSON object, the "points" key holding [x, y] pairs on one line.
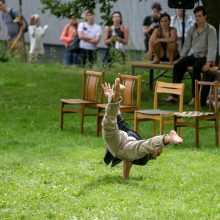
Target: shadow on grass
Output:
{"points": [[108, 181]]}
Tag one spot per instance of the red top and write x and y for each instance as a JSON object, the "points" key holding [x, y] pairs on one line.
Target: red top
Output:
{"points": [[68, 34]]}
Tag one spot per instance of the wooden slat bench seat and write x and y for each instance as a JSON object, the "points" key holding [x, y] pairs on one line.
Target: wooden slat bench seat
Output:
{"points": [[164, 67]]}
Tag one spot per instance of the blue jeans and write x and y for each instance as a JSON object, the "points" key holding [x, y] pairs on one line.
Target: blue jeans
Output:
{"points": [[71, 57]]}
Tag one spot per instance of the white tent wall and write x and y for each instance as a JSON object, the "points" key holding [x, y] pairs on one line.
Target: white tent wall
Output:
{"points": [[133, 12]]}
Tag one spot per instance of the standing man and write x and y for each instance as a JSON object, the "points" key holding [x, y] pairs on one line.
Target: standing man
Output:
{"points": [[16, 26], [177, 22], [150, 23], [89, 35], [199, 51]]}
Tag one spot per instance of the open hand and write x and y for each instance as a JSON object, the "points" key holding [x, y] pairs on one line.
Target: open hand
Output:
{"points": [[107, 89]]}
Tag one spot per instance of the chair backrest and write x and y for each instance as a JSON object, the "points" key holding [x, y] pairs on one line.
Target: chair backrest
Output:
{"points": [[169, 88], [90, 85], [213, 96], [131, 83]]}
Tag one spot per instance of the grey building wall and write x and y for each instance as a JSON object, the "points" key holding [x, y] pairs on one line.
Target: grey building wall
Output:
{"points": [[133, 12]]}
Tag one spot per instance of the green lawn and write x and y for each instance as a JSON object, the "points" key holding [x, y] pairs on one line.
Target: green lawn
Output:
{"points": [[49, 174]]}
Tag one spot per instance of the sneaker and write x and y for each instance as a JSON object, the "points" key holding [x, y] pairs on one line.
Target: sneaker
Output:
{"points": [[192, 102], [171, 99]]}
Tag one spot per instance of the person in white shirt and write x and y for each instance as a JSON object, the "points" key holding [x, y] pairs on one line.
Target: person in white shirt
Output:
{"points": [[89, 35], [177, 22], [36, 32]]}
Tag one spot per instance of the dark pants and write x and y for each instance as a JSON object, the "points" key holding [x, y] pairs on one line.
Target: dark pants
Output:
{"points": [[88, 57], [113, 55], [181, 66], [71, 57]]}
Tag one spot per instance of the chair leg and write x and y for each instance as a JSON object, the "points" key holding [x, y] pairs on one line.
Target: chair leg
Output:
{"points": [[161, 124], [98, 124], [180, 132], [197, 134], [216, 133], [154, 127], [82, 110], [61, 116], [175, 120], [136, 122]]}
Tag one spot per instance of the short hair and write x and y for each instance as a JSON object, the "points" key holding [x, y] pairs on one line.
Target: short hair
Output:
{"points": [[156, 6], [117, 12], [164, 15], [33, 18], [86, 13], [200, 8], [3, 1]]}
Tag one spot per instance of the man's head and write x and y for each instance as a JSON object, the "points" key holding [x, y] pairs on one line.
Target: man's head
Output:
{"points": [[179, 13], [89, 17], [155, 9], [200, 14], [3, 6]]}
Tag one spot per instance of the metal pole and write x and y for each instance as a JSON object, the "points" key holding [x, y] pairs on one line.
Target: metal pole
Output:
{"points": [[183, 26], [20, 6]]}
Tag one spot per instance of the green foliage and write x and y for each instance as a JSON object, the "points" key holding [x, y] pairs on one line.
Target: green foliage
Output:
{"points": [[3, 52], [77, 7], [49, 174]]}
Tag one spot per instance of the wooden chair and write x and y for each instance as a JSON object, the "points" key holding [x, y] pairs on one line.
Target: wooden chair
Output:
{"points": [[156, 114], [90, 85], [129, 104], [184, 119]]}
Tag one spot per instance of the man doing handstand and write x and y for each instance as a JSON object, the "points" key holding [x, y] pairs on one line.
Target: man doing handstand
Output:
{"points": [[119, 143]]}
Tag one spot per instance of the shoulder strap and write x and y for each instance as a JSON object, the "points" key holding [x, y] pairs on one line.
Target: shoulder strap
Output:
{"points": [[122, 28], [12, 13]]}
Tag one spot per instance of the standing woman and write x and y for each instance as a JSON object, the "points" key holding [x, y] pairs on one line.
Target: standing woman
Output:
{"points": [[68, 34], [162, 43], [36, 32], [115, 37]]}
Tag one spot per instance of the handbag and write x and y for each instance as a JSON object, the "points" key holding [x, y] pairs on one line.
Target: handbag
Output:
{"points": [[74, 45]]}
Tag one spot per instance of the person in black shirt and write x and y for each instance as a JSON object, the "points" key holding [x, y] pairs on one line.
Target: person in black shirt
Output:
{"points": [[150, 23], [115, 38]]}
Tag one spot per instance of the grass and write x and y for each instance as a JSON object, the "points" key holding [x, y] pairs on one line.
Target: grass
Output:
{"points": [[49, 174]]}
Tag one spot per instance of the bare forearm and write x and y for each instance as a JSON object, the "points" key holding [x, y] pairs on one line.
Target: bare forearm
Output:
{"points": [[126, 169], [166, 40]]}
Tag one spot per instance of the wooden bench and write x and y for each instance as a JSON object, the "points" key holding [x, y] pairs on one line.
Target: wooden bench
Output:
{"points": [[164, 67]]}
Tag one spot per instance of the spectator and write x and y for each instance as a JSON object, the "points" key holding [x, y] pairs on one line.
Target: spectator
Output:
{"points": [[162, 42], [199, 51], [37, 33], [177, 22], [67, 36], [150, 23], [115, 37], [16, 27], [89, 35]]}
